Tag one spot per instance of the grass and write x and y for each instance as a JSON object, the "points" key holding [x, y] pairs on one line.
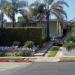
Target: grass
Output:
{"points": [[16, 58], [11, 58], [53, 52]]}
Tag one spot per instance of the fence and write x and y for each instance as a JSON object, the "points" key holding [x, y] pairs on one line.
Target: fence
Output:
{"points": [[67, 52]]}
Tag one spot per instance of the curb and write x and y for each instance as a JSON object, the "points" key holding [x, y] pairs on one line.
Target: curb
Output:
{"points": [[67, 61], [16, 61]]}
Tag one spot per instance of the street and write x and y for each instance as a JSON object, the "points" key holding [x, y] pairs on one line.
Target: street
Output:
{"points": [[61, 68]]}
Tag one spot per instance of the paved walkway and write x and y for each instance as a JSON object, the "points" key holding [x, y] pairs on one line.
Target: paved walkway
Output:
{"points": [[59, 54], [46, 59]]}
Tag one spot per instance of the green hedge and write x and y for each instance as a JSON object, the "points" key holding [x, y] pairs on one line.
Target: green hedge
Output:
{"points": [[9, 35]]}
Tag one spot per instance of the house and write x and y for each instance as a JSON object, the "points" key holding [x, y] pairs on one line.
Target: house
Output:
{"points": [[55, 28]]}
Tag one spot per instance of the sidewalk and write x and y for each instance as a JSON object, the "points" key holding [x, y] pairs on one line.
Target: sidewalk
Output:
{"points": [[46, 59], [49, 59], [59, 54]]}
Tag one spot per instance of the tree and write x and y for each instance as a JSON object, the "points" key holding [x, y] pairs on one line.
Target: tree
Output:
{"points": [[2, 5], [10, 10], [59, 12], [13, 7], [56, 9], [49, 7], [34, 8]]}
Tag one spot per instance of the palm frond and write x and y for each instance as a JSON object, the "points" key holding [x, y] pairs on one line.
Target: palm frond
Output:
{"points": [[59, 9], [56, 6], [59, 16], [63, 12], [62, 3], [41, 8], [35, 4], [48, 1]]}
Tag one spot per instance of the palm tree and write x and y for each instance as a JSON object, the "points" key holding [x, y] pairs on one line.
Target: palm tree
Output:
{"points": [[47, 4], [50, 7], [55, 8], [13, 7], [10, 10], [2, 4], [59, 12], [34, 8]]}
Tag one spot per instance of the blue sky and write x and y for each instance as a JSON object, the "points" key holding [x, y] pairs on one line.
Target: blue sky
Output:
{"points": [[70, 11]]}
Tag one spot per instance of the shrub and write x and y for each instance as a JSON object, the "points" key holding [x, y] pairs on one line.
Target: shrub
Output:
{"points": [[42, 41], [29, 44], [9, 35], [2, 53], [16, 43], [55, 48], [69, 44], [25, 53]]}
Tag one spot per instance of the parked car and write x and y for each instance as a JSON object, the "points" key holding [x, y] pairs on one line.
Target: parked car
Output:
{"points": [[57, 41]]}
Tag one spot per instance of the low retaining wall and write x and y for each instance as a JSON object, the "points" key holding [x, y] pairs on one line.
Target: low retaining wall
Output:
{"points": [[67, 59]]}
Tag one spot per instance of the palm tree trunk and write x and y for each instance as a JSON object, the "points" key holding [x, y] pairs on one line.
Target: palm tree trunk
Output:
{"points": [[2, 20], [13, 13], [13, 18], [47, 19], [59, 28]]}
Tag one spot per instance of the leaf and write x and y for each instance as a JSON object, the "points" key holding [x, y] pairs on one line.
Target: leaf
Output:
{"points": [[48, 1], [58, 8], [62, 3], [63, 12]]}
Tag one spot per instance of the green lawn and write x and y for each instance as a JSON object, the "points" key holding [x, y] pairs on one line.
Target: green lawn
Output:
{"points": [[53, 52], [11, 58]]}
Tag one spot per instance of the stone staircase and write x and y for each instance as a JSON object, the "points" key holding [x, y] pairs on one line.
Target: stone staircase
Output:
{"points": [[44, 50]]}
